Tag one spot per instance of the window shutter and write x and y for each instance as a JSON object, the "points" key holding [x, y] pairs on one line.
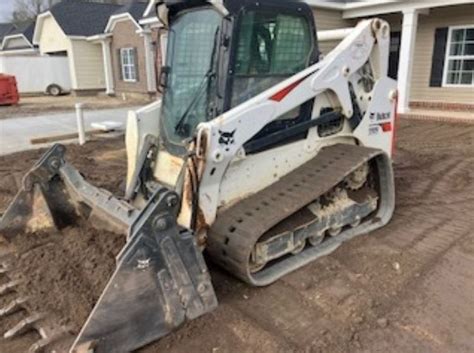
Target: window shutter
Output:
{"points": [[137, 71], [119, 62], [439, 57]]}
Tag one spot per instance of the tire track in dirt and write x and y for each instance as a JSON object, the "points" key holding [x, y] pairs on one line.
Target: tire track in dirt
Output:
{"points": [[432, 314]]}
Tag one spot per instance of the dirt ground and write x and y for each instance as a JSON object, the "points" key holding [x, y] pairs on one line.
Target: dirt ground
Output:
{"points": [[48, 104], [62, 273], [405, 288]]}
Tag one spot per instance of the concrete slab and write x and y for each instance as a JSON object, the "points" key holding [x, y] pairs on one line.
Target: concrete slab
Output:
{"points": [[16, 133]]}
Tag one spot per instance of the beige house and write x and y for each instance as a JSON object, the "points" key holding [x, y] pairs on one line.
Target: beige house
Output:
{"points": [[68, 29], [432, 51]]}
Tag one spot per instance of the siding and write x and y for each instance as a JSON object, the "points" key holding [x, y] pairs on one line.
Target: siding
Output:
{"points": [[330, 19], [88, 65], [125, 36], [52, 37], [421, 90], [17, 43], [53, 40]]}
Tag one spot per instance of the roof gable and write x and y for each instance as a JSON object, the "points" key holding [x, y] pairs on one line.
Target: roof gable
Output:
{"points": [[131, 12], [135, 9], [26, 29], [23, 32], [15, 42]]}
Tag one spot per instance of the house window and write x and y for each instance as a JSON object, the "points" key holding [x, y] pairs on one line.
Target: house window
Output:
{"points": [[459, 67], [129, 67]]}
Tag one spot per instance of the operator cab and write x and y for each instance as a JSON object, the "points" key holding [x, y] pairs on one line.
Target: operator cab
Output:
{"points": [[220, 56]]}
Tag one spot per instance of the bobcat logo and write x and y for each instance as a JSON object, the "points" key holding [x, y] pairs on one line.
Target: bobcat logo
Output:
{"points": [[226, 138]]}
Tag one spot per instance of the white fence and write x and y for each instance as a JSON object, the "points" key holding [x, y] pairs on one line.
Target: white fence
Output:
{"points": [[34, 74]]}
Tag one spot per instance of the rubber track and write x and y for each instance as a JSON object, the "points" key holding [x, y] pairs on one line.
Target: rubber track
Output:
{"points": [[236, 230]]}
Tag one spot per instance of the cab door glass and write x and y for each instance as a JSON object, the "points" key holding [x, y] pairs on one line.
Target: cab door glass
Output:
{"points": [[192, 42]]}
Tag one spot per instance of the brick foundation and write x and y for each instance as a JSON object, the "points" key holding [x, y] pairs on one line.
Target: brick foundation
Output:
{"points": [[87, 92], [458, 107], [441, 119]]}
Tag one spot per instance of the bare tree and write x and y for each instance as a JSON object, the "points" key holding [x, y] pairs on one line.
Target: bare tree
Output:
{"points": [[27, 10]]}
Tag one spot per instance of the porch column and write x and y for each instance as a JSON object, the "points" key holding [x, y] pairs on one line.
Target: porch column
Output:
{"points": [[107, 55], [150, 62], [407, 51]]}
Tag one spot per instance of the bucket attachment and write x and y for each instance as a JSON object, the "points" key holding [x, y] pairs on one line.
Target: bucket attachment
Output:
{"points": [[160, 280], [54, 195]]}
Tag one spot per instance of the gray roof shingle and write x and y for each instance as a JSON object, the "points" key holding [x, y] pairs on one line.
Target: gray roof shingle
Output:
{"points": [[27, 29], [82, 18], [5, 29]]}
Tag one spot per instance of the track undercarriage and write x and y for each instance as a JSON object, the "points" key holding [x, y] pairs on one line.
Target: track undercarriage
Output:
{"points": [[345, 191]]}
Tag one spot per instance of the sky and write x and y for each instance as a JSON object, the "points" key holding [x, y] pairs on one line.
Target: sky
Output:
{"points": [[6, 8]]}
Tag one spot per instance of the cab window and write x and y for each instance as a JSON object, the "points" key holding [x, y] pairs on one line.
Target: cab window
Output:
{"points": [[271, 47]]}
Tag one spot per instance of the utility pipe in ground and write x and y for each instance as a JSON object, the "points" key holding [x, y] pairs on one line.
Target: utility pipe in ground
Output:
{"points": [[80, 123]]}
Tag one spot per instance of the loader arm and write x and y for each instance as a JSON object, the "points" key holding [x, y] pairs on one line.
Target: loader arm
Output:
{"points": [[223, 139]]}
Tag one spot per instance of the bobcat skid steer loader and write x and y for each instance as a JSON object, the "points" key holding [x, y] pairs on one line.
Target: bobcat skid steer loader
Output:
{"points": [[259, 153]]}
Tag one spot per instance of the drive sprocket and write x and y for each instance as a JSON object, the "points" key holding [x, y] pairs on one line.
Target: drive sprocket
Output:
{"points": [[357, 179]]}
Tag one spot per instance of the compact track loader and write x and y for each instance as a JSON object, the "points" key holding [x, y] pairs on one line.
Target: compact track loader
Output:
{"points": [[260, 153]]}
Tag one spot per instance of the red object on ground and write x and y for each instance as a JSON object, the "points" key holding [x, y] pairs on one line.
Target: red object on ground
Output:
{"points": [[8, 90]]}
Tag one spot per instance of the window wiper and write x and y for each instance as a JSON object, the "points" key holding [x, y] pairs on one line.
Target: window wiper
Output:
{"points": [[180, 125], [179, 128]]}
